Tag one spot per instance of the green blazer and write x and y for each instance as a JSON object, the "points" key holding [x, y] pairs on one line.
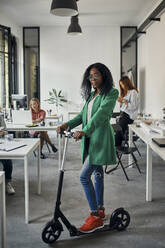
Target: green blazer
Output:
{"points": [[99, 130]]}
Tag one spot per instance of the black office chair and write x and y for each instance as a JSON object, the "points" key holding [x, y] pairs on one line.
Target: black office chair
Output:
{"points": [[126, 138], [115, 114], [120, 151], [134, 139]]}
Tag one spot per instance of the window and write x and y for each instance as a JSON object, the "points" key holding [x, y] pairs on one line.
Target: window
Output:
{"points": [[5, 66], [31, 38], [14, 72], [8, 66]]}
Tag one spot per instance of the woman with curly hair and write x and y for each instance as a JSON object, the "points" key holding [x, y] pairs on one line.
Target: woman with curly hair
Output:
{"points": [[98, 145]]}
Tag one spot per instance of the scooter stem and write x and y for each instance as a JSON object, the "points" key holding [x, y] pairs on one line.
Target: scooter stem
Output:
{"points": [[64, 153]]}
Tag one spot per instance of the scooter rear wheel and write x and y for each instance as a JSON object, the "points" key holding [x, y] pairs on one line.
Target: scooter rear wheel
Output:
{"points": [[51, 232], [120, 219]]}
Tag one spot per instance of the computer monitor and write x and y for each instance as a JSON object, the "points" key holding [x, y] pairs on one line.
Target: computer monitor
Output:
{"points": [[19, 101]]}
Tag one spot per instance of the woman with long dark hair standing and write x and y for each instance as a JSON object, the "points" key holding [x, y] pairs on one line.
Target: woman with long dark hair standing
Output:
{"points": [[129, 103], [98, 144]]}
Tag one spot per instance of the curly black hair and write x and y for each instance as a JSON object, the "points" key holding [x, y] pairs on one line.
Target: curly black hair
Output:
{"points": [[106, 77]]}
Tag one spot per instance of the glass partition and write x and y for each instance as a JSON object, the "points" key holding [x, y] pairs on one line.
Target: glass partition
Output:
{"points": [[129, 53], [5, 66]]}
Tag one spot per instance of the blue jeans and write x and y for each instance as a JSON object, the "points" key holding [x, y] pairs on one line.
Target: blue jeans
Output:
{"points": [[7, 167], [94, 193]]}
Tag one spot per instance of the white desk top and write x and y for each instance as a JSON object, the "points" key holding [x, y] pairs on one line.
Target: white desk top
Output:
{"points": [[53, 117], [13, 127], [22, 151], [159, 150], [147, 138], [74, 112]]}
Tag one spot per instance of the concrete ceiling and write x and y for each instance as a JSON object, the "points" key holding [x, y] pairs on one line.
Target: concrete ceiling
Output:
{"points": [[91, 12]]}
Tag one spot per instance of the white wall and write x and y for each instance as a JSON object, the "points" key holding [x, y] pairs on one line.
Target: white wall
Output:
{"points": [[151, 57], [17, 32], [64, 59]]}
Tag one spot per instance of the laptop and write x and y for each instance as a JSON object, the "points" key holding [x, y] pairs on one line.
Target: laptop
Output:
{"points": [[21, 117], [159, 141]]}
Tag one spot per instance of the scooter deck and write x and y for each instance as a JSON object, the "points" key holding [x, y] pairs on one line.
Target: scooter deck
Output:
{"points": [[102, 229]]}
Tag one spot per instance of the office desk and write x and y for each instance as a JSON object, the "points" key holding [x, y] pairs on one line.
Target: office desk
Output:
{"points": [[3, 209], [22, 154], [19, 128], [53, 118], [73, 114], [151, 146], [12, 127]]}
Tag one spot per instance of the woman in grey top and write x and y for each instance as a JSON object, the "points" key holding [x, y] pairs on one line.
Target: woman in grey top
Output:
{"points": [[129, 104]]}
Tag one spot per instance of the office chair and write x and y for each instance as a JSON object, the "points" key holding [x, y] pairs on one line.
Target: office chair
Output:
{"points": [[120, 151], [134, 139], [116, 115]]}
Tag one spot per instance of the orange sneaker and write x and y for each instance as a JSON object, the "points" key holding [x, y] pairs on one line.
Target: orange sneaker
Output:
{"points": [[91, 224], [101, 213]]}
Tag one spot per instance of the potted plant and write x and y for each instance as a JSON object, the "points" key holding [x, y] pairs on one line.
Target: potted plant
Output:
{"points": [[56, 97]]}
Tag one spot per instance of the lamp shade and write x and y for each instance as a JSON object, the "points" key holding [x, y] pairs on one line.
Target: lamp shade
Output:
{"points": [[64, 7], [74, 28]]}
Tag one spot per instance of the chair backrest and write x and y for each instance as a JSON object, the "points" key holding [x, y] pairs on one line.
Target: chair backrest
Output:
{"points": [[116, 127], [115, 114], [126, 137], [114, 118]]}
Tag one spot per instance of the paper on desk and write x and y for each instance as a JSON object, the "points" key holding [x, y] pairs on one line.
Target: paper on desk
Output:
{"points": [[11, 145], [153, 128]]}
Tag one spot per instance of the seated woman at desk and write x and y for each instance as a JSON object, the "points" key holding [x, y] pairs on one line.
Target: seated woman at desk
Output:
{"points": [[129, 103], [38, 115], [7, 167]]}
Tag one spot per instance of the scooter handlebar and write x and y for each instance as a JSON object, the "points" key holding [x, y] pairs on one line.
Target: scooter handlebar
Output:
{"points": [[68, 134]]}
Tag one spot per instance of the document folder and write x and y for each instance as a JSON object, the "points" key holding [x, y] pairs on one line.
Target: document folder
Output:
{"points": [[11, 145]]}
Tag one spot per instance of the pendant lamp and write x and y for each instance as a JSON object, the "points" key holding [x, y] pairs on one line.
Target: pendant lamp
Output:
{"points": [[64, 7], [74, 28]]}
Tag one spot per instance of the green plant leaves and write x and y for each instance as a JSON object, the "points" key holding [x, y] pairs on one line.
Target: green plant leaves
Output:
{"points": [[56, 98], [54, 92], [63, 100], [59, 93]]}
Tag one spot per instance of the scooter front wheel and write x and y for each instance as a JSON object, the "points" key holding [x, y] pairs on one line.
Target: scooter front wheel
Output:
{"points": [[51, 232], [120, 219]]}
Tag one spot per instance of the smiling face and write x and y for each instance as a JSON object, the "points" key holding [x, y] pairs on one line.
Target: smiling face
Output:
{"points": [[95, 78]]}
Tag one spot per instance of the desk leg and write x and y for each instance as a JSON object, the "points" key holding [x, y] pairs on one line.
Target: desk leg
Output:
{"points": [[3, 214], [39, 170], [26, 190], [149, 174], [130, 160]]}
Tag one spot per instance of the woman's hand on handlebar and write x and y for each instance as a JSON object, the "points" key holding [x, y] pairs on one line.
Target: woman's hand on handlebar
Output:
{"points": [[2, 132], [61, 128], [78, 135]]}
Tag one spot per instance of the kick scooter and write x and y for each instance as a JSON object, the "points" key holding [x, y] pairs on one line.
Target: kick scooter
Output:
{"points": [[119, 219]]}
